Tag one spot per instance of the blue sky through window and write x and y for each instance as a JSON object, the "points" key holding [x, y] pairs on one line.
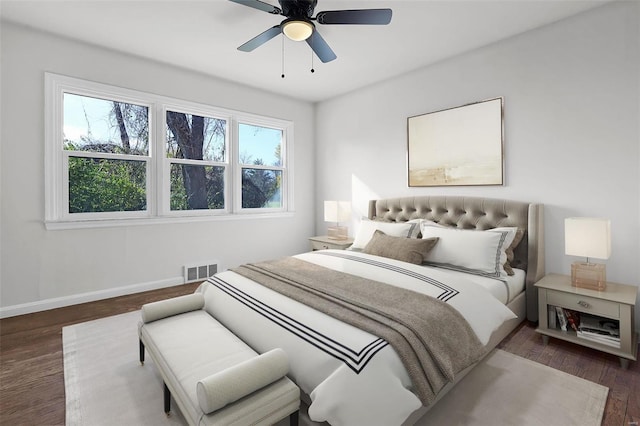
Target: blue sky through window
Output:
{"points": [[85, 116], [91, 118], [259, 142]]}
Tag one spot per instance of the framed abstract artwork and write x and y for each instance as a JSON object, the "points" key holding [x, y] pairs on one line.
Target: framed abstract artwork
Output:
{"points": [[457, 146]]}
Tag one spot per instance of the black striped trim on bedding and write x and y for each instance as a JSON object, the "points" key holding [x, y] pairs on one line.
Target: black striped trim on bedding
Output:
{"points": [[446, 295], [472, 272], [447, 292], [355, 359]]}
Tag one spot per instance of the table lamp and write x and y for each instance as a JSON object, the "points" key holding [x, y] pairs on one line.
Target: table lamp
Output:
{"points": [[337, 211], [591, 238]]}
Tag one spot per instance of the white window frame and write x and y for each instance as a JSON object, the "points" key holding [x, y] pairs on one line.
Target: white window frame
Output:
{"points": [[195, 109], [66, 215], [287, 133], [158, 209]]}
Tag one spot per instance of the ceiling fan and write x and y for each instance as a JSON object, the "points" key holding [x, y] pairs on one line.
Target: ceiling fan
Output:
{"points": [[299, 26]]}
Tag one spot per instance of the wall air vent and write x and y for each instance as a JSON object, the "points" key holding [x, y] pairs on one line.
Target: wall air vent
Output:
{"points": [[199, 272]]}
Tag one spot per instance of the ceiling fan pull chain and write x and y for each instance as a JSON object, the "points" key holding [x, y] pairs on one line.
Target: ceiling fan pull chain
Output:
{"points": [[312, 43], [282, 57]]}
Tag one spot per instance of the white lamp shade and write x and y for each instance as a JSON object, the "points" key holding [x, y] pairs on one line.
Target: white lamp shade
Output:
{"points": [[587, 237], [337, 211]]}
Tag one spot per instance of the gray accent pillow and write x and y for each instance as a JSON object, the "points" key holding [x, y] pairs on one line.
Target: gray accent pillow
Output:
{"points": [[400, 248], [510, 255]]}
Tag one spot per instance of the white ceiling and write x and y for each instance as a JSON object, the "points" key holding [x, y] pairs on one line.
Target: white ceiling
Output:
{"points": [[203, 36]]}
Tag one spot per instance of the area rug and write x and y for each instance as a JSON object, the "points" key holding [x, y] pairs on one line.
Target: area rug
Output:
{"points": [[106, 385], [506, 389]]}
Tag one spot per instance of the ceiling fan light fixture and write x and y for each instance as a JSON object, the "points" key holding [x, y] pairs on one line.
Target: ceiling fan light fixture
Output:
{"points": [[297, 30]]}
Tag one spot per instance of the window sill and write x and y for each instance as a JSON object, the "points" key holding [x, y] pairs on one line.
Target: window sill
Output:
{"points": [[115, 223]]}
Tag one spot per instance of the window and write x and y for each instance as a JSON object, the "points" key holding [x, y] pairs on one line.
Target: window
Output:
{"points": [[114, 155], [261, 166], [197, 157], [106, 153]]}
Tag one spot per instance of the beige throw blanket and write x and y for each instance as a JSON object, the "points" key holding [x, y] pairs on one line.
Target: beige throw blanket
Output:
{"points": [[431, 338]]}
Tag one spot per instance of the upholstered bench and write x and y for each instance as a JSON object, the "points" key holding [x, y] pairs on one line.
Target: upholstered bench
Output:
{"points": [[213, 376]]}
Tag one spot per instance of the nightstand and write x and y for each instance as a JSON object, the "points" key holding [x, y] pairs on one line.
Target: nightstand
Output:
{"points": [[616, 302], [323, 243]]}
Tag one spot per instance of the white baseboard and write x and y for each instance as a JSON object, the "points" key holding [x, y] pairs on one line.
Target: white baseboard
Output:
{"points": [[60, 302]]}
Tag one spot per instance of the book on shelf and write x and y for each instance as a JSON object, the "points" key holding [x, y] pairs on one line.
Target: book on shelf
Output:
{"points": [[600, 325], [562, 318], [552, 317], [599, 338], [599, 329], [573, 318]]}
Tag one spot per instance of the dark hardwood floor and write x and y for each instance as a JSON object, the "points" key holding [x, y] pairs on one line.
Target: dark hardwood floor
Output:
{"points": [[31, 369], [32, 380]]}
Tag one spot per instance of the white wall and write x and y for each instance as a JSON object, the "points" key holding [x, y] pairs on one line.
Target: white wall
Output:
{"points": [[41, 268], [571, 102], [572, 142]]}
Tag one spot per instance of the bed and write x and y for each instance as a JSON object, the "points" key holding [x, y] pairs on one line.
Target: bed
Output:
{"points": [[349, 373]]}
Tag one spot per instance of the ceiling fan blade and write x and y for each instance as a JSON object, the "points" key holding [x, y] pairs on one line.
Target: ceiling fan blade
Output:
{"points": [[257, 4], [361, 17], [260, 39], [320, 47]]}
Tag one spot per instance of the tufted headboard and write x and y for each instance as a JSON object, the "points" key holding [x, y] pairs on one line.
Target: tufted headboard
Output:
{"points": [[481, 214]]}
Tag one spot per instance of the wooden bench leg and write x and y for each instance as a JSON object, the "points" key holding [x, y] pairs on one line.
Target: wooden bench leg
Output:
{"points": [[293, 418], [167, 399], [141, 352]]}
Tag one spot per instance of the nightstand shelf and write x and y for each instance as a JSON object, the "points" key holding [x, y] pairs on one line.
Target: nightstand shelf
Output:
{"points": [[323, 242], [616, 302]]}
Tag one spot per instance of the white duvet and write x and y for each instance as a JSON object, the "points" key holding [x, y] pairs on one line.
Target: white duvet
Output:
{"points": [[351, 376]]}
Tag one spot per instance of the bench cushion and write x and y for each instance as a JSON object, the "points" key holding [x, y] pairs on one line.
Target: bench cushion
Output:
{"points": [[192, 346]]}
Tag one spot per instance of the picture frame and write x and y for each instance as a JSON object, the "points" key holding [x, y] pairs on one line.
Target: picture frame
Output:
{"points": [[459, 146]]}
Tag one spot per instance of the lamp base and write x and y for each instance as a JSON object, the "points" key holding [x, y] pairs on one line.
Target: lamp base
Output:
{"points": [[588, 275], [338, 232]]}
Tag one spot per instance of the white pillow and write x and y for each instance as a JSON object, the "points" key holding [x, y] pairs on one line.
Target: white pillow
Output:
{"points": [[510, 230], [367, 227], [476, 252]]}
